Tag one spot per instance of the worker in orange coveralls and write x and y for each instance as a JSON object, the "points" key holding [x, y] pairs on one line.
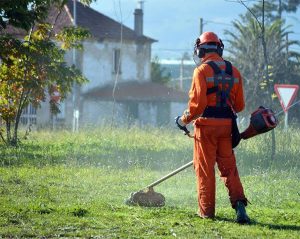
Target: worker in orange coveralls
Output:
{"points": [[216, 94]]}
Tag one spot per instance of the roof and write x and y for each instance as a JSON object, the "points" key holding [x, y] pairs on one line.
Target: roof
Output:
{"points": [[101, 26], [137, 91]]}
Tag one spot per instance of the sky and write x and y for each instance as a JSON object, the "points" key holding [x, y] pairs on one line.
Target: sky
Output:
{"points": [[176, 23]]}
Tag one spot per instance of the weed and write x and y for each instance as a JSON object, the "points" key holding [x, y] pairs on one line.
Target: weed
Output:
{"points": [[79, 212]]}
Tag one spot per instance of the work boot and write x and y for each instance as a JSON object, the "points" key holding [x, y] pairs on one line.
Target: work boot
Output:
{"points": [[241, 215]]}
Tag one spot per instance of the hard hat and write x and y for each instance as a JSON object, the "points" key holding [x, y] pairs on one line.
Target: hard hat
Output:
{"points": [[207, 37], [202, 45]]}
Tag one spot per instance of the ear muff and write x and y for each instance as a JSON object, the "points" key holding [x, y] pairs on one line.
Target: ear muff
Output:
{"points": [[220, 48], [196, 47], [199, 52]]}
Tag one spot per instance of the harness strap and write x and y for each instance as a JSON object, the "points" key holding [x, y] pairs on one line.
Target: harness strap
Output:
{"points": [[214, 66], [212, 90], [228, 67], [221, 77]]}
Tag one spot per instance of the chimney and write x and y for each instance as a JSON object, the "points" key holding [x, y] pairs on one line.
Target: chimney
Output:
{"points": [[138, 19]]}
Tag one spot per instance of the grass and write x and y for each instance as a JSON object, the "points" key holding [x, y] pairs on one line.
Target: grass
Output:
{"points": [[57, 184]]}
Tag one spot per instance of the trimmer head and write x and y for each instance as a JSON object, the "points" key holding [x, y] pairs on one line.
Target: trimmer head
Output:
{"points": [[147, 198]]}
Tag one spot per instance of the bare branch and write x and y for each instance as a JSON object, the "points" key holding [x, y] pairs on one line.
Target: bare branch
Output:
{"points": [[242, 2], [55, 21]]}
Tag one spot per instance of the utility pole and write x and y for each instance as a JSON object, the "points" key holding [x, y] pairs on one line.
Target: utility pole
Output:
{"points": [[201, 25], [75, 121], [185, 56], [287, 49], [181, 74]]}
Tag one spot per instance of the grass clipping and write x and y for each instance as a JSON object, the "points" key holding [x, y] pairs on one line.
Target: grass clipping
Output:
{"points": [[147, 198]]}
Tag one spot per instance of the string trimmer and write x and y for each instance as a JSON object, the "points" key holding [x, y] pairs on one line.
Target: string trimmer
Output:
{"points": [[262, 120]]}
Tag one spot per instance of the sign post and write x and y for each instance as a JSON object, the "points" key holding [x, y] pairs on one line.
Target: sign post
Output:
{"points": [[286, 95], [286, 117]]}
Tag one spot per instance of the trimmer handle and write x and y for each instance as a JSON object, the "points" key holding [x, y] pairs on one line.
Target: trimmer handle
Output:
{"points": [[169, 175]]}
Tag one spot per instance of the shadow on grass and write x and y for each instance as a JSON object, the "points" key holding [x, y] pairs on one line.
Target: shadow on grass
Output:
{"points": [[277, 226], [93, 155], [268, 225]]}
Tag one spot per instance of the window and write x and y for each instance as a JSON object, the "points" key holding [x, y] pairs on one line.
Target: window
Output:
{"points": [[117, 61], [28, 115]]}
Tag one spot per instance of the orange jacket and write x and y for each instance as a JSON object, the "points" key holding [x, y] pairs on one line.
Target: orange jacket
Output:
{"points": [[199, 100]]}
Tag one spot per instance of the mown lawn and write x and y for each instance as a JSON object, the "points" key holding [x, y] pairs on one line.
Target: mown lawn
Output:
{"points": [[57, 184]]}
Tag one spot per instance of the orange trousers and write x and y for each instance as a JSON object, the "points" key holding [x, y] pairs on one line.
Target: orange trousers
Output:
{"points": [[213, 145]]}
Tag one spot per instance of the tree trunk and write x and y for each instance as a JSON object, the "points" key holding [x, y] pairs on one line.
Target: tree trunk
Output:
{"points": [[266, 70], [21, 106], [279, 9], [14, 140], [8, 132]]}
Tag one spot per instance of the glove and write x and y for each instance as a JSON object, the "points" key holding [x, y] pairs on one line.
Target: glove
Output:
{"points": [[181, 125]]}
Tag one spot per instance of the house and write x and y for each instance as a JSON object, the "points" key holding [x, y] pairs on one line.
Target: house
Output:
{"points": [[117, 62]]}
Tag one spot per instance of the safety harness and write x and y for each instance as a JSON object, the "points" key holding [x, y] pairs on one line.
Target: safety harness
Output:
{"points": [[223, 78], [223, 108]]}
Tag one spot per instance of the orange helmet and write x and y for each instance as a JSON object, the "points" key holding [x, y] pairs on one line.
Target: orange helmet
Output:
{"points": [[209, 37], [201, 46]]}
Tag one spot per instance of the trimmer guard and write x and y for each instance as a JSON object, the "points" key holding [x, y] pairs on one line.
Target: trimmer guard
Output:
{"points": [[148, 198]]}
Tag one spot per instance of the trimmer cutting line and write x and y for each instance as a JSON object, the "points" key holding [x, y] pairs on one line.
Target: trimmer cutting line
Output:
{"points": [[262, 120]]}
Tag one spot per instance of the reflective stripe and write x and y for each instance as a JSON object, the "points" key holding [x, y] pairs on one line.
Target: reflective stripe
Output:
{"points": [[210, 79], [220, 63]]}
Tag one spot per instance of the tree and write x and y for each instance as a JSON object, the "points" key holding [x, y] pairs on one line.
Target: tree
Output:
{"points": [[25, 13], [158, 74], [34, 66], [274, 9], [246, 51], [270, 33]]}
